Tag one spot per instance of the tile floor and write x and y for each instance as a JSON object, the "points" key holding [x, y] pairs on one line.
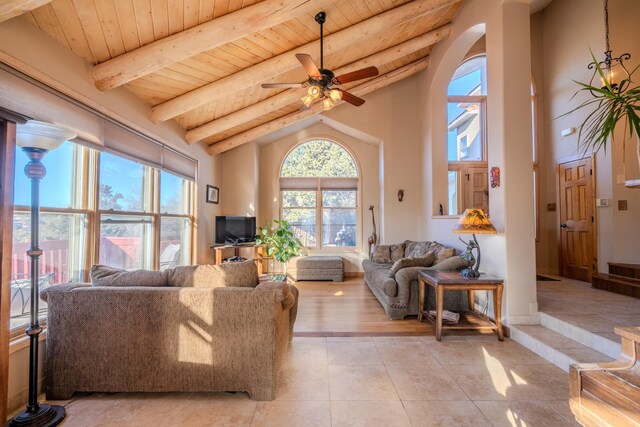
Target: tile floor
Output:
{"points": [[361, 381], [593, 310]]}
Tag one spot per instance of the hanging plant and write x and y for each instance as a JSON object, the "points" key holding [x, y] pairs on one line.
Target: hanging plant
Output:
{"points": [[609, 106]]}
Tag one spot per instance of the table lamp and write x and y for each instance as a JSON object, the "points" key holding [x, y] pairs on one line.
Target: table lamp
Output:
{"points": [[473, 221], [36, 139]]}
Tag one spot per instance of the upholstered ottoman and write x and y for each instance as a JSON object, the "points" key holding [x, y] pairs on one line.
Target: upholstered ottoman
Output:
{"points": [[316, 268]]}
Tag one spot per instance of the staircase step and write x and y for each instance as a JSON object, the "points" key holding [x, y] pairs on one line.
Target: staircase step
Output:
{"points": [[616, 283], [554, 347], [626, 270], [608, 344]]}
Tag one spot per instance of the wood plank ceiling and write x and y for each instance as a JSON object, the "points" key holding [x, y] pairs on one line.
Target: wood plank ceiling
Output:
{"points": [[178, 79]]}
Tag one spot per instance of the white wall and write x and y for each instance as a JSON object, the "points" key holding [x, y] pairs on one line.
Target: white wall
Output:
{"points": [[390, 163], [366, 155], [31, 51], [568, 28], [391, 115], [510, 253]]}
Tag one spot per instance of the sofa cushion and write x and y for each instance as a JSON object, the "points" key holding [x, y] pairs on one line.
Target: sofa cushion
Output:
{"points": [[418, 249], [441, 252], [227, 274], [103, 275], [381, 253], [396, 251], [425, 260], [451, 263]]}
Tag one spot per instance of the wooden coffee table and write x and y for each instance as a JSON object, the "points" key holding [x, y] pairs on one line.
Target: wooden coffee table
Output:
{"points": [[442, 281]]}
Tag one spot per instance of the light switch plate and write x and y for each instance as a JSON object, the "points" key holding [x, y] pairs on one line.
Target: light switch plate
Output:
{"points": [[622, 205], [601, 203]]}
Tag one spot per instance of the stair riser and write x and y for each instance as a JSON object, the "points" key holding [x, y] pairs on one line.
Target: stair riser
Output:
{"points": [[618, 288], [584, 337], [625, 270], [543, 350]]}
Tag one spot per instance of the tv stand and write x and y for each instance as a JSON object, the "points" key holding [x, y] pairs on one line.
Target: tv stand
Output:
{"points": [[246, 250]]}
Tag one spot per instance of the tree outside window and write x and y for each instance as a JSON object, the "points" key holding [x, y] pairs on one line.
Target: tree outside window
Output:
{"points": [[319, 193]]}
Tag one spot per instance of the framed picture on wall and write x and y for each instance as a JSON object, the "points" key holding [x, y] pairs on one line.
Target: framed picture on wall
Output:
{"points": [[213, 194]]}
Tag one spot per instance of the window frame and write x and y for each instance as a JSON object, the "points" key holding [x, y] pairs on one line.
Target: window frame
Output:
{"points": [[87, 189], [461, 166], [318, 188], [84, 162]]}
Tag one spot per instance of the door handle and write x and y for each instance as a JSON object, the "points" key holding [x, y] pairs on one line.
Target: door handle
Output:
{"points": [[563, 225]]}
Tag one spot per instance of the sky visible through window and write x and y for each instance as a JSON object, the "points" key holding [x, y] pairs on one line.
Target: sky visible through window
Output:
{"points": [[460, 87], [55, 188], [125, 178]]}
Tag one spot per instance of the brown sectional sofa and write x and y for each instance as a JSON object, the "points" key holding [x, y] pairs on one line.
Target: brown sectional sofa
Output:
{"points": [[118, 338], [398, 291]]}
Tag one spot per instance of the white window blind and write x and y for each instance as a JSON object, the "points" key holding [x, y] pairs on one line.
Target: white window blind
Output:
{"points": [[26, 96], [288, 183]]}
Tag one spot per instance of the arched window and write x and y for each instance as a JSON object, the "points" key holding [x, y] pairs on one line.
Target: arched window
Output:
{"points": [[319, 194], [466, 137]]}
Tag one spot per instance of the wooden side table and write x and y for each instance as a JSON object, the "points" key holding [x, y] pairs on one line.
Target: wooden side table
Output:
{"points": [[256, 253], [442, 281]]}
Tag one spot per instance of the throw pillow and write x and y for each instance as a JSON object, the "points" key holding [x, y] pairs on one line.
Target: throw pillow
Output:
{"points": [[228, 274], [103, 275], [444, 252], [419, 249], [397, 252], [422, 261], [381, 253]]}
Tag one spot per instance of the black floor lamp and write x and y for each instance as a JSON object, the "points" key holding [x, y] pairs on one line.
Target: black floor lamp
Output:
{"points": [[36, 139]]}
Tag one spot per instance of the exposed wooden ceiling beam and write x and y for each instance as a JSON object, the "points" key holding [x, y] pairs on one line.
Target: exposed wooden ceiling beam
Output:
{"points": [[13, 8], [282, 122], [188, 43], [286, 61], [292, 95]]}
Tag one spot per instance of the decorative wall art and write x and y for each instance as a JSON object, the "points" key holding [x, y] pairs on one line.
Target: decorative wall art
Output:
{"points": [[213, 194], [494, 177]]}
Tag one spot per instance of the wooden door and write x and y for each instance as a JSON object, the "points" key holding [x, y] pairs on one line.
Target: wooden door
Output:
{"points": [[477, 189], [577, 240]]}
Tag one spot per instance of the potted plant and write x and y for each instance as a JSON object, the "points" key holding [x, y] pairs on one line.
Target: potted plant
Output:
{"points": [[280, 241], [610, 105]]}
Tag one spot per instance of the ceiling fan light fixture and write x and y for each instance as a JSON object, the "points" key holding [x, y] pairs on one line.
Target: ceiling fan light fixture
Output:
{"points": [[335, 95], [314, 91], [307, 100], [327, 103]]}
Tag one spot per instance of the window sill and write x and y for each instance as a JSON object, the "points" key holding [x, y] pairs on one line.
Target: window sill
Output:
{"points": [[22, 342]]}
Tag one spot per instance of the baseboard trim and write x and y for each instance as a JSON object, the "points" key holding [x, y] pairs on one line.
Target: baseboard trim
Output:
{"points": [[524, 320]]}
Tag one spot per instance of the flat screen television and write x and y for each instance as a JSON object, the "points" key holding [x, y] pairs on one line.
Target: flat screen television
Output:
{"points": [[235, 229]]}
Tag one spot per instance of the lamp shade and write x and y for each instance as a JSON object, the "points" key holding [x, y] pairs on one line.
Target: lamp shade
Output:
{"points": [[474, 221], [41, 135]]}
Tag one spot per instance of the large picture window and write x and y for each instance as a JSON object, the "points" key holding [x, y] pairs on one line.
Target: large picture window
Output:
{"points": [[97, 207], [319, 194]]}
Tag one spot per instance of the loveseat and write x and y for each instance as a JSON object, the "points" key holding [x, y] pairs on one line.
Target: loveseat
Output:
{"points": [[392, 275], [188, 329]]}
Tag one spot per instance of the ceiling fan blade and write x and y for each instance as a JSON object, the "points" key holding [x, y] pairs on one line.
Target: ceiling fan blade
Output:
{"points": [[356, 75], [281, 85], [351, 99], [309, 65]]}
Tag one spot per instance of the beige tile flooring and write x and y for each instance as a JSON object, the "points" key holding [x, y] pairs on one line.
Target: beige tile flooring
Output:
{"points": [[366, 381], [591, 309]]}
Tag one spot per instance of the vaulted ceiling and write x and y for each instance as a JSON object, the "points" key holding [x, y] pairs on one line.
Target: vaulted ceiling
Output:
{"points": [[201, 62]]}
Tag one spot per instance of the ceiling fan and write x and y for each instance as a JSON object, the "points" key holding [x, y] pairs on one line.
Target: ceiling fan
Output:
{"points": [[322, 81]]}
